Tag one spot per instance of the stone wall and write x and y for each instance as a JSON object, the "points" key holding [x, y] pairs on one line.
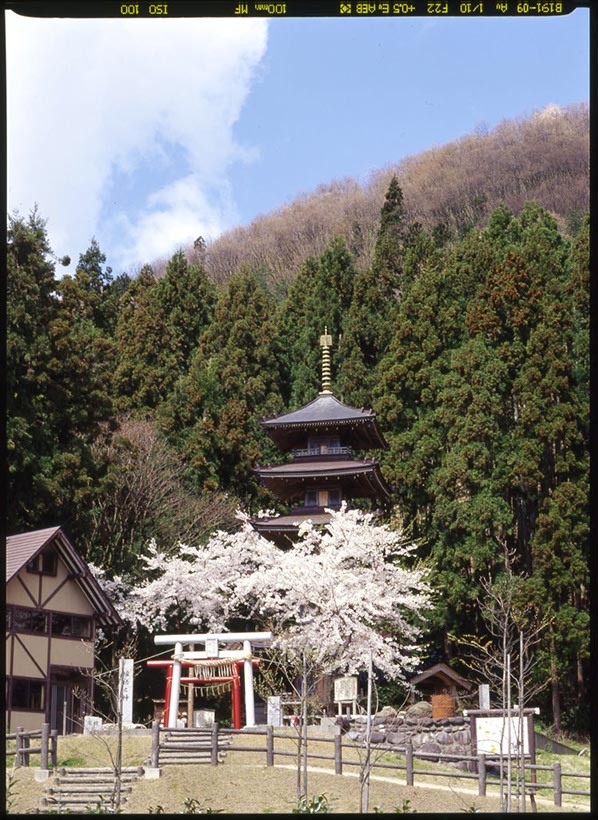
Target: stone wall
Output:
{"points": [[446, 736]]}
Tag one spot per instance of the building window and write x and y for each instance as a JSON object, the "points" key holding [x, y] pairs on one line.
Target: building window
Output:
{"points": [[28, 694], [81, 627], [62, 625], [45, 563], [30, 620], [67, 626]]}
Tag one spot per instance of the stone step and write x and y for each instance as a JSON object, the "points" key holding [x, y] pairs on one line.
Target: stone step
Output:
{"points": [[190, 752], [196, 756], [192, 733], [99, 779], [77, 801], [106, 770], [88, 790]]}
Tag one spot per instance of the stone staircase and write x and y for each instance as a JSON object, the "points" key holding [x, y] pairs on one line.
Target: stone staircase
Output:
{"points": [[185, 746], [77, 790]]}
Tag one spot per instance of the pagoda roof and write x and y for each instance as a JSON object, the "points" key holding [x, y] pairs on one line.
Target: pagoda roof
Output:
{"points": [[288, 523], [362, 478], [326, 414], [283, 529]]}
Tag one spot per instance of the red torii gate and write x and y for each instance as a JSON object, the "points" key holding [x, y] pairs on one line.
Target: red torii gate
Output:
{"points": [[233, 679], [211, 656]]}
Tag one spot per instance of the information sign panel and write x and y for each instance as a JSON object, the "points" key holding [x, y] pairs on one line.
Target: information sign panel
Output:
{"points": [[345, 689]]}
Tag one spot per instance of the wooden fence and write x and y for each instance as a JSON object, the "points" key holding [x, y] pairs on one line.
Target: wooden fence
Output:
{"points": [[48, 748], [481, 765]]}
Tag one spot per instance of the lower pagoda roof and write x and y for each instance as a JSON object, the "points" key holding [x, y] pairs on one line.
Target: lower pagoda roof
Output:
{"points": [[357, 478], [283, 529]]}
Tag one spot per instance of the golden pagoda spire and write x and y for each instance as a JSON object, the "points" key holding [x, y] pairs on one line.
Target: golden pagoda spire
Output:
{"points": [[325, 344]]}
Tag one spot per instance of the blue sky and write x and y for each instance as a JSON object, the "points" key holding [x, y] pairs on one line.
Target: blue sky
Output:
{"points": [[155, 132]]}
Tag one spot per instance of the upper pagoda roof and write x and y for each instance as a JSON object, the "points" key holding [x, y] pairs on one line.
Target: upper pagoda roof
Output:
{"points": [[325, 414]]}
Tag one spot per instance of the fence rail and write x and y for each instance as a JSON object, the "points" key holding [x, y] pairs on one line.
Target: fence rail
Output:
{"points": [[481, 763], [48, 748]]}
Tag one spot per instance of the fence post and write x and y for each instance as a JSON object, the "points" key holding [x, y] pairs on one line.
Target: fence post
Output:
{"points": [[26, 752], [338, 751], [155, 744], [54, 748], [43, 760], [558, 787], [409, 762], [269, 746], [482, 775], [19, 741], [214, 759]]}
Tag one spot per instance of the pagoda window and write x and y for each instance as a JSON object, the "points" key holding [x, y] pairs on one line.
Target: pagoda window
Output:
{"points": [[324, 498], [334, 498], [311, 498], [324, 444]]}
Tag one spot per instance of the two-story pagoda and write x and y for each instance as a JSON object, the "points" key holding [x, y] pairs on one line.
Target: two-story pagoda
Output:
{"points": [[322, 437]]}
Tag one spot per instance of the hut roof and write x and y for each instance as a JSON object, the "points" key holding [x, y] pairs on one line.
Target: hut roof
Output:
{"points": [[445, 674]]}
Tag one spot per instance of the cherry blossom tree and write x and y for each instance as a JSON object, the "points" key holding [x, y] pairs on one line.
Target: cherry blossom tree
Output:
{"points": [[342, 591], [346, 595]]}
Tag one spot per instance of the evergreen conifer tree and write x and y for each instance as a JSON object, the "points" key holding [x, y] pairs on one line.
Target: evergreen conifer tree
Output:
{"points": [[233, 380], [148, 359]]}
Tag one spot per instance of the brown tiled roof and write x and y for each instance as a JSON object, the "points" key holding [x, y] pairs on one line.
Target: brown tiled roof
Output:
{"points": [[21, 548]]}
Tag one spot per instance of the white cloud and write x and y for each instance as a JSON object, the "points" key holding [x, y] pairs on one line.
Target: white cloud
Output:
{"points": [[88, 98]]}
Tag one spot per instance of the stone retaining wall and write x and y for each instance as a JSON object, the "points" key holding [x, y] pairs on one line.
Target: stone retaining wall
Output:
{"points": [[434, 736]]}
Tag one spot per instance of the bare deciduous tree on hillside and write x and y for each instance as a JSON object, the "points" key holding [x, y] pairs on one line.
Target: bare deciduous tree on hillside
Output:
{"points": [[543, 157]]}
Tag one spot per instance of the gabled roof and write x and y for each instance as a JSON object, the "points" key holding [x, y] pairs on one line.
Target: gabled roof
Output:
{"points": [[22, 548], [443, 672], [325, 412]]}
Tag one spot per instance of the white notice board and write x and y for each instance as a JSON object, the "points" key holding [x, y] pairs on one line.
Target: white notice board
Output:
{"points": [[492, 735]]}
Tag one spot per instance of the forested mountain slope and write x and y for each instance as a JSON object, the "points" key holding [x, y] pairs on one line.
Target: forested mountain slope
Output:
{"points": [[134, 405], [452, 187]]}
